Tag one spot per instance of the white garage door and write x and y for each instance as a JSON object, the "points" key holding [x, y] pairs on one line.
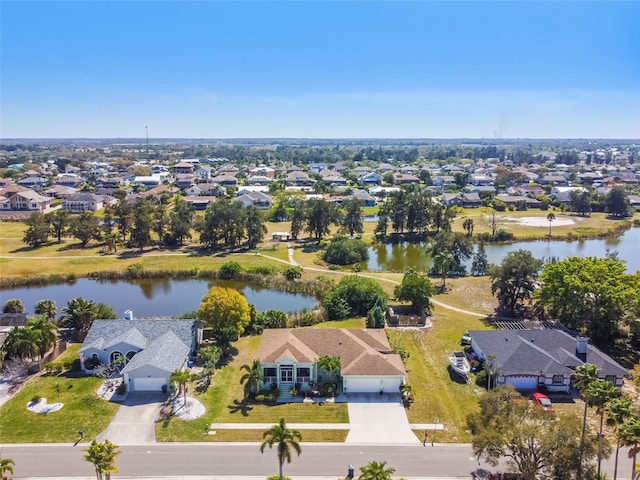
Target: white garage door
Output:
{"points": [[363, 385], [391, 385], [149, 384], [523, 383]]}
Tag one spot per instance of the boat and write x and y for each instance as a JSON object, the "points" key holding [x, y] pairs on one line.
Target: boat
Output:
{"points": [[460, 364]]}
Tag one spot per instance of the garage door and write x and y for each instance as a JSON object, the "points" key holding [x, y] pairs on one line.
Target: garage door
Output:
{"points": [[363, 385], [391, 385], [523, 383], [149, 384]]}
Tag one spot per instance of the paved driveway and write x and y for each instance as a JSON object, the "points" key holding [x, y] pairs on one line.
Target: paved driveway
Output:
{"points": [[378, 419], [134, 423]]}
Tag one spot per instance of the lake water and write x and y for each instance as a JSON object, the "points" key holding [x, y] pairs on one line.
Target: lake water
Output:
{"points": [[397, 257], [155, 297]]}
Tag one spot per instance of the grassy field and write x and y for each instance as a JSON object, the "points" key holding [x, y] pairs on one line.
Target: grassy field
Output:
{"points": [[223, 401], [82, 409]]}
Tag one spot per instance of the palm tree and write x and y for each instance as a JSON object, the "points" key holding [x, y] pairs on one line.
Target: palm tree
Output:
{"points": [[251, 378], [442, 263], [182, 377], [329, 364], [286, 439], [79, 314], [599, 392], [376, 471], [468, 226], [583, 376], [112, 241], [21, 342], [629, 434], [550, 218], [13, 306], [618, 410], [103, 456], [6, 465], [46, 333], [47, 308]]}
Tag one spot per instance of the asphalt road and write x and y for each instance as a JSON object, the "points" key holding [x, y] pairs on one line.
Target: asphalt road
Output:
{"points": [[245, 460]]}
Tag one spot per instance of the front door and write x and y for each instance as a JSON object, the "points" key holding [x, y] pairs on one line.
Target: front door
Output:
{"points": [[286, 373]]}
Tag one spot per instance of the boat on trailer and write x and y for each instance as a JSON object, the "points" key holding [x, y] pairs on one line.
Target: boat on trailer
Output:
{"points": [[460, 364]]}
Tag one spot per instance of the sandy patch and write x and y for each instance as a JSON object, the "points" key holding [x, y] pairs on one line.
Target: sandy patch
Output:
{"points": [[192, 410], [539, 221], [41, 406]]}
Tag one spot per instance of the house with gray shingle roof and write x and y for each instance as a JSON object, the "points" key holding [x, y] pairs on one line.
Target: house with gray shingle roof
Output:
{"points": [[530, 359], [150, 350], [289, 357]]}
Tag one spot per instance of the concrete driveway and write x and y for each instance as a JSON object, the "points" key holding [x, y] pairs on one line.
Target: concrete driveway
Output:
{"points": [[378, 419], [134, 423]]}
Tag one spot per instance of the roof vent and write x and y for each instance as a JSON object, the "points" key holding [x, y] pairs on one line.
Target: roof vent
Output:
{"points": [[128, 314]]}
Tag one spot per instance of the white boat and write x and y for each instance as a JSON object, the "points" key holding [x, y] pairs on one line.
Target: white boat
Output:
{"points": [[460, 364]]}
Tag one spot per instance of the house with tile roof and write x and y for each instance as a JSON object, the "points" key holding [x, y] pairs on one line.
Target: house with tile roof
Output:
{"points": [[532, 358], [288, 358], [149, 351]]}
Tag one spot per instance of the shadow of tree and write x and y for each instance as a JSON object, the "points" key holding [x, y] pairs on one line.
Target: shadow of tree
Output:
{"points": [[241, 406]]}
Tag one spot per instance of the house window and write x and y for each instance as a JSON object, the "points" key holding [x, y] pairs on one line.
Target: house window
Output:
{"points": [[115, 357], [303, 374], [557, 379], [611, 379], [270, 375]]}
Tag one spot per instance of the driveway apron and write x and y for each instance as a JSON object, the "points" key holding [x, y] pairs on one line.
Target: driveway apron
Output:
{"points": [[378, 419], [134, 423]]}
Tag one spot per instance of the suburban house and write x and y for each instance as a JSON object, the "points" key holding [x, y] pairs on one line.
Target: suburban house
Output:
{"points": [[60, 191], [204, 173], [24, 200], [513, 200], [288, 358], [259, 200], [200, 202], [299, 179], [32, 182], [530, 359], [149, 351], [225, 180], [405, 179], [368, 179], [83, 201], [183, 167]]}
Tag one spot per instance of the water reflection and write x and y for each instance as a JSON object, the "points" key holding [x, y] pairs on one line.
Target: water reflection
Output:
{"points": [[156, 297]]}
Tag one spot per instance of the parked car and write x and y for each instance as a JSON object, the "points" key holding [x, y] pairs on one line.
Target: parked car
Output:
{"points": [[466, 339], [543, 401]]}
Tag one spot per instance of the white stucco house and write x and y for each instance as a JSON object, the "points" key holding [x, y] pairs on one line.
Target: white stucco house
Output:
{"points": [[288, 358], [152, 349]]}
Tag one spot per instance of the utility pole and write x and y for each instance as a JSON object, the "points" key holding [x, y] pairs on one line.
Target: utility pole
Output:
{"points": [[147, 130]]}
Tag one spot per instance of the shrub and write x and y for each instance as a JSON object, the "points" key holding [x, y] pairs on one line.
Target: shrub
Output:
{"points": [[359, 294], [230, 270], [345, 251], [328, 389], [35, 399], [135, 270], [263, 270], [277, 477], [89, 363], [122, 389], [292, 273]]}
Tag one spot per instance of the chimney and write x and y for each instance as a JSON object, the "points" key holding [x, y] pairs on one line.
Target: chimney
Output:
{"points": [[128, 314], [581, 345]]}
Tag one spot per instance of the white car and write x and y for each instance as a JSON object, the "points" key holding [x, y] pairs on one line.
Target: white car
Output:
{"points": [[466, 339]]}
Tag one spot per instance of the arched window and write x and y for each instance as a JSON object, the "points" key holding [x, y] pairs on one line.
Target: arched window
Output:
{"points": [[130, 355], [115, 357]]}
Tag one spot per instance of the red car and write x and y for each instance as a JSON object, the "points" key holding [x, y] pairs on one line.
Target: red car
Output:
{"points": [[543, 401]]}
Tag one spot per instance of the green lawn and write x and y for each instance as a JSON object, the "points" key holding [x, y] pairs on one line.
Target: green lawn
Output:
{"points": [[82, 410], [223, 401], [438, 396]]}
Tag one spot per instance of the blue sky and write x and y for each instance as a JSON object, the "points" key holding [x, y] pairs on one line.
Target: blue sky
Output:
{"points": [[420, 69]]}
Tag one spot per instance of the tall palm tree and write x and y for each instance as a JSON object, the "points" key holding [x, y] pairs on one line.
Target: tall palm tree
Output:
{"points": [[376, 471], [6, 465], [47, 308], [617, 411], [78, 314], [550, 218], [629, 433], [599, 393], [46, 333], [442, 263], [251, 378], [182, 377], [21, 342], [583, 376], [285, 439]]}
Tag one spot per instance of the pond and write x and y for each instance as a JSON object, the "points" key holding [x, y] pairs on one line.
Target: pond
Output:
{"points": [[397, 257], [157, 297]]}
